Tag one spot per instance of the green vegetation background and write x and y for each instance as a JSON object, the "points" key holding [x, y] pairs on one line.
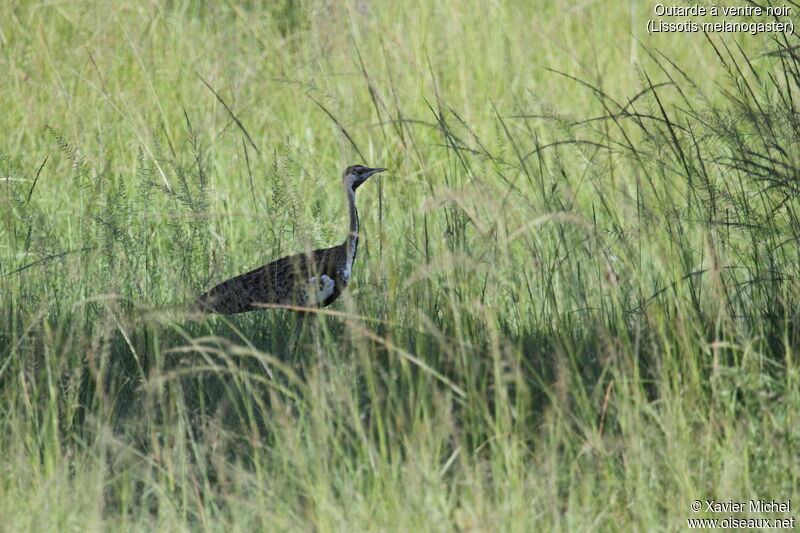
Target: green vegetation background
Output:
{"points": [[574, 308]]}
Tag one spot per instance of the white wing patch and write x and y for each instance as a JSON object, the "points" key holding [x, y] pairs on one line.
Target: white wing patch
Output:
{"points": [[319, 290], [348, 266], [346, 272]]}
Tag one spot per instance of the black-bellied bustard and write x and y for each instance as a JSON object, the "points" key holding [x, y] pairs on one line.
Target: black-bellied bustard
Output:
{"points": [[313, 279]]}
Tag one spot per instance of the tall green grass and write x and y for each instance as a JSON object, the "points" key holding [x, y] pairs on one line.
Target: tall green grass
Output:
{"points": [[574, 307]]}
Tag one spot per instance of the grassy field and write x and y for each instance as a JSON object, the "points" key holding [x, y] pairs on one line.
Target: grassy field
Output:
{"points": [[574, 306]]}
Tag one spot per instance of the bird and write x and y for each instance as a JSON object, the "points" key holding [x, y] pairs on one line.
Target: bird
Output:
{"points": [[309, 279]]}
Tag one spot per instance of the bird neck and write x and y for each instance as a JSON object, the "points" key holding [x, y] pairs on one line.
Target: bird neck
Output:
{"points": [[351, 242]]}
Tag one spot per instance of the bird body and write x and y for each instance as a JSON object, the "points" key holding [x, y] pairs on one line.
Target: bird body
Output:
{"points": [[311, 279], [304, 279]]}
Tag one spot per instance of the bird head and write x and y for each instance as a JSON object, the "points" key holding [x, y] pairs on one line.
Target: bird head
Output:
{"points": [[355, 175]]}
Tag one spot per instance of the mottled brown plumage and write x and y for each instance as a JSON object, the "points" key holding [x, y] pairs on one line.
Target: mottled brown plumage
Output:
{"points": [[315, 278], [282, 282]]}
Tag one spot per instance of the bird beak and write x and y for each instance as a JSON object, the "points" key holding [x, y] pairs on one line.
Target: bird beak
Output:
{"points": [[371, 172], [376, 170]]}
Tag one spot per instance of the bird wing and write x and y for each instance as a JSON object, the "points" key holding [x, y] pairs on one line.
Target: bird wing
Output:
{"points": [[284, 281]]}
